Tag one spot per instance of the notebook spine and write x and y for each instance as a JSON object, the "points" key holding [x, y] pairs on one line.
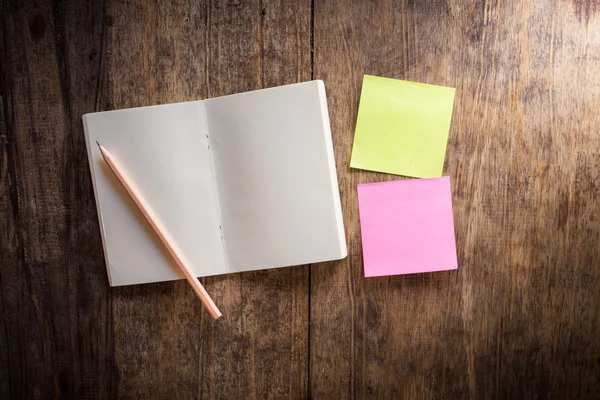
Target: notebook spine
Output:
{"points": [[212, 170]]}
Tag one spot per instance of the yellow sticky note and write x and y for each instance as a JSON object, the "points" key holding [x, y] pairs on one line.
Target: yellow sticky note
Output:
{"points": [[402, 127]]}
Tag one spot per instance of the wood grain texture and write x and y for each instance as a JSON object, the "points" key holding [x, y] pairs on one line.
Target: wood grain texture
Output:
{"points": [[165, 344], [520, 318], [64, 332], [55, 305]]}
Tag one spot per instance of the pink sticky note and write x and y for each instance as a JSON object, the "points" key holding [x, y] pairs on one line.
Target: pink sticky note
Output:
{"points": [[407, 226]]}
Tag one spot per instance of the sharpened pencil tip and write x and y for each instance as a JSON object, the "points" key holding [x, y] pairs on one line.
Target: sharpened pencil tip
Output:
{"points": [[97, 143]]}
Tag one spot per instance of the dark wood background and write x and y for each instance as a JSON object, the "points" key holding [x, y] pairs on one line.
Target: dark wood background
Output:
{"points": [[520, 318]]}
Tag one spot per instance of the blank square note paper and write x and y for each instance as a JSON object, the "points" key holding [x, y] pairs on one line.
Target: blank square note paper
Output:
{"points": [[402, 127], [407, 227]]}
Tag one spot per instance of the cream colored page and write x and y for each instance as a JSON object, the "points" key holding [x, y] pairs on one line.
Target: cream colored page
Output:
{"points": [[276, 179], [164, 150]]}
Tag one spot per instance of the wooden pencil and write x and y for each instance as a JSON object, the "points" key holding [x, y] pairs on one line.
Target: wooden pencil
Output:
{"points": [[160, 231]]}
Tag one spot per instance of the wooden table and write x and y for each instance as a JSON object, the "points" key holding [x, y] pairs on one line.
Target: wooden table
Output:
{"points": [[520, 317]]}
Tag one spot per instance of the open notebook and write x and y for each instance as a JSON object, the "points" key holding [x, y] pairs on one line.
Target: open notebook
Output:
{"points": [[241, 182]]}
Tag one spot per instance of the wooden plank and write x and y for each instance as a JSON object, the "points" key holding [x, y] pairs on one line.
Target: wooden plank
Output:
{"points": [[55, 339], [519, 319], [166, 345]]}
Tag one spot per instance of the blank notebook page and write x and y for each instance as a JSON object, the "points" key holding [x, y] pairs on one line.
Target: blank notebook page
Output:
{"points": [[164, 151], [276, 180]]}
